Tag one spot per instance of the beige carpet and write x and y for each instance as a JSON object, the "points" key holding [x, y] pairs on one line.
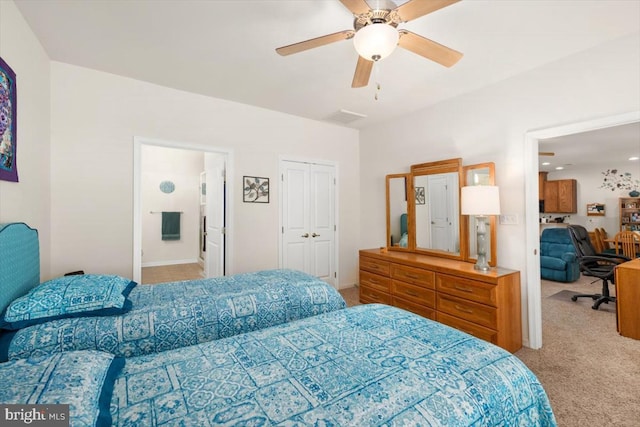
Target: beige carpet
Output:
{"points": [[590, 372]]}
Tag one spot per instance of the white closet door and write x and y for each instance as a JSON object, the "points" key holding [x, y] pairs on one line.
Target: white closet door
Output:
{"points": [[214, 178], [321, 194], [308, 218], [295, 217]]}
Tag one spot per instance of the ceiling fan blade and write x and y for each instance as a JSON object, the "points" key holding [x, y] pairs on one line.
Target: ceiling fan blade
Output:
{"points": [[363, 72], [428, 48], [416, 8], [357, 7], [317, 42], [546, 153]]}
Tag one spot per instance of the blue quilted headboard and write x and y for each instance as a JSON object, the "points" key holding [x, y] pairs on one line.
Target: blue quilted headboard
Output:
{"points": [[19, 261]]}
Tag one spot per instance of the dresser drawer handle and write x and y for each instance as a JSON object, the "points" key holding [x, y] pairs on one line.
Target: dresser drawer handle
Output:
{"points": [[411, 276], [374, 281], [410, 293], [462, 309], [463, 289]]}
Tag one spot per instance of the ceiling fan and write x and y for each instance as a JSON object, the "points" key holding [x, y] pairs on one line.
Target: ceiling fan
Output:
{"points": [[376, 35]]}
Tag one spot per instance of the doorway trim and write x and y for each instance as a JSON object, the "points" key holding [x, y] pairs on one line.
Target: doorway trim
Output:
{"points": [[534, 294], [138, 142], [336, 219]]}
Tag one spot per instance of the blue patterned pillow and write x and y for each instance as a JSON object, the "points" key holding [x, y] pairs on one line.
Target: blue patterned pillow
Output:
{"points": [[81, 379], [69, 296]]}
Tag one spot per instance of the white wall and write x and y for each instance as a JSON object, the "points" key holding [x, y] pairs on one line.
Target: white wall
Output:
{"points": [[28, 200], [589, 180], [182, 167], [95, 116], [489, 126]]}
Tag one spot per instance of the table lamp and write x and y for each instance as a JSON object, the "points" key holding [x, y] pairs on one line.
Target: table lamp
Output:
{"points": [[481, 201]]}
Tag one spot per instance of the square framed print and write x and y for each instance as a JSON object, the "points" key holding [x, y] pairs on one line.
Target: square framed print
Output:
{"points": [[8, 123], [255, 189]]}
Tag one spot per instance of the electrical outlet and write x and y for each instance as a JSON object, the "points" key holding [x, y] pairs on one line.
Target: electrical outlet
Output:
{"points": [[509, 219]]}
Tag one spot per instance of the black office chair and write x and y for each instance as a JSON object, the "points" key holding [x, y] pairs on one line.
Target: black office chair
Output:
{"points": [[599, 265]]}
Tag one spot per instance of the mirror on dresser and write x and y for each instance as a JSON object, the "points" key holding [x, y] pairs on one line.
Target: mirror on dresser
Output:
{"points": [[480, 174], [434, 209], [398, 212]]}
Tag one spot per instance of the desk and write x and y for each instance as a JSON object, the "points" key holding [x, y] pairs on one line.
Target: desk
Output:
{"points": [[628, 298]]}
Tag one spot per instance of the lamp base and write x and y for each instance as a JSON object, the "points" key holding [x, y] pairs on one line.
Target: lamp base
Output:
{"points": [[479, 267]]}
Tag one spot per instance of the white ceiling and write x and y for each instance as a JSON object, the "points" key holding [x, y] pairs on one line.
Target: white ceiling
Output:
{"points": [[226, 49]]}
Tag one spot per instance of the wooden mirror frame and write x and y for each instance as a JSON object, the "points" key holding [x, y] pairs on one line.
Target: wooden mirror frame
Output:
{"points": [[430, 168], [492, 261], [411, 240]]}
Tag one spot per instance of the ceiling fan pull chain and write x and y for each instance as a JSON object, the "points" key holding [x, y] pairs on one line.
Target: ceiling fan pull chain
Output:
{"points": [[376, 66]]}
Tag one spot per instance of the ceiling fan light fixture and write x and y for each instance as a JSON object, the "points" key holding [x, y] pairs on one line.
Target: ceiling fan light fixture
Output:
{"points": [[376, 41]]}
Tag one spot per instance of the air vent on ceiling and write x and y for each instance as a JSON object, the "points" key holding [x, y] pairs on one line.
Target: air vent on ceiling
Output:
{"points": [[344, 116]]}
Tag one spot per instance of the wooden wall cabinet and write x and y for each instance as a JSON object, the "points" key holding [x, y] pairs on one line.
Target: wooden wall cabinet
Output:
{"points": [[629, 213], [485, 305], [560, 196], [628, 298], [542, 180]]}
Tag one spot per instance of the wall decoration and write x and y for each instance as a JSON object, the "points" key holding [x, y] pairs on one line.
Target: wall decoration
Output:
{"points": [[8, 123], [615, 180], [420, 199], [595, 209], [167, 187], [255, 189]]}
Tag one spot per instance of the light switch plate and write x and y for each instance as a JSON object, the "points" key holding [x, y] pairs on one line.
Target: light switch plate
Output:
{"points": [[509, 219]]}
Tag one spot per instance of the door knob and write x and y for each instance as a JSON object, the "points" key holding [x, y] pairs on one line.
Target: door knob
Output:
{"points": [[305, 235], [314, 235]]}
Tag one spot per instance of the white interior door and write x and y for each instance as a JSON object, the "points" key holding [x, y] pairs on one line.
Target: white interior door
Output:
{"points": [[439, 213], [321, 209], [308, 219], [214, 165], [295, 217]]}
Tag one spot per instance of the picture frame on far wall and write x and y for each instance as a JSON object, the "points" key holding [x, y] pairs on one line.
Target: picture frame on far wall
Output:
{"points": [[8, 123], [255, 189], [595, 209]]}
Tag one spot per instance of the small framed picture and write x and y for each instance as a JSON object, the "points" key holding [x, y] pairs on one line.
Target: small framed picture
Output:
{"points": [[420, 198], [255, 189], [595, 209]]}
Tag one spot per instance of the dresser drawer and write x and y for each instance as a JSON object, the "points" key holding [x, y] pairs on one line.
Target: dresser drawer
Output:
{"points": [[419, 309], [373, 295], [468, 327], [471, 311], [414, 293], [374, 265], [416, 276], [467, 289], [375, 281]]}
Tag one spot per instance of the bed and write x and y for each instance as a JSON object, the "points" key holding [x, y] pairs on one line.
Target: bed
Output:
{"points": [[369, 365], [149, 318]]}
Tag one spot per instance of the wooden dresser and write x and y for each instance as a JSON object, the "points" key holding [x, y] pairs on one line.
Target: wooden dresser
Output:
{"points": [[486, 305], [627, 298]]}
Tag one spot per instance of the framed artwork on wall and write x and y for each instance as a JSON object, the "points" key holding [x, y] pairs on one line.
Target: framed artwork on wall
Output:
{"points": [[595, 209], [8, 123], [420, 196], [255, 189]]}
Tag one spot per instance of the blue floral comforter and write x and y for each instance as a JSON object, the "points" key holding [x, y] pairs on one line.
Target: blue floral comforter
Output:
{"points": [[369, 365], [178, 314]]}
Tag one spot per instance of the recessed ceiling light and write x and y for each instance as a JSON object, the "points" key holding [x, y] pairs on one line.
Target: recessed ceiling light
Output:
{"points": [[559, 168], [634, 158], [545, 163]]}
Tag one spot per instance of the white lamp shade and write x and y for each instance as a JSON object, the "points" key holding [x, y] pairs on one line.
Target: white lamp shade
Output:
{"points": [[480, 200], [376, 41]]}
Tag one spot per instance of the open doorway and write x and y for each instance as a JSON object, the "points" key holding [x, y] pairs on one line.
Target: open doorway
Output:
{"points": [[181, 211], [532, 139]]}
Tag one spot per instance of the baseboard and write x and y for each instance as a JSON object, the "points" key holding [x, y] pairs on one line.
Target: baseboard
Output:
{"points": [[172, 262]]}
